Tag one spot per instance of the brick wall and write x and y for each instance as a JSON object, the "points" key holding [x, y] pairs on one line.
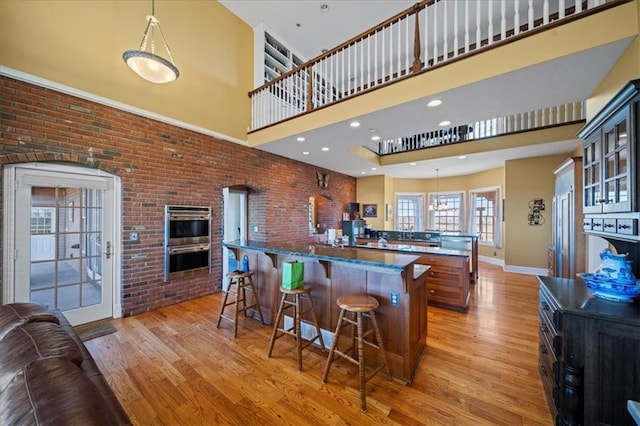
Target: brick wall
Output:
{"points": [[162, 164]]}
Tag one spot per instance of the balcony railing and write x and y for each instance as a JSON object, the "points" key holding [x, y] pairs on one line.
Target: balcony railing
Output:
{"points": [[539, 119], [429, 34]]}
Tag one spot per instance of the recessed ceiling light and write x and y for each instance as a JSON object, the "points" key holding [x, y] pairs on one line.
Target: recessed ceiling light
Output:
{"points": [[305, 152], [444, 123], [375, 138], [374, 168], [462, 157], [354, 124], [412, 164], [325, 148], [300, 139], [363, 173], [324, 7], [434, 103]]}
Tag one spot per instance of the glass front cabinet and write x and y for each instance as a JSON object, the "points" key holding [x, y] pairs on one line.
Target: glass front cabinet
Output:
{"points": [[611, 206]]}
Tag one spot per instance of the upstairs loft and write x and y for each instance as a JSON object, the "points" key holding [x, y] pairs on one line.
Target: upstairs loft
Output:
{"points": [[542, 61]]}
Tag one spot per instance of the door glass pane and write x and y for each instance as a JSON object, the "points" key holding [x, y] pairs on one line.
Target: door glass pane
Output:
{"points": [[611, 167], [66, 249], [623, 193], [622, 133]]}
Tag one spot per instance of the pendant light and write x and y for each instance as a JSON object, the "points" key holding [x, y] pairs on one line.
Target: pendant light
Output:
{"points": [[147, 64], [438, 205]]}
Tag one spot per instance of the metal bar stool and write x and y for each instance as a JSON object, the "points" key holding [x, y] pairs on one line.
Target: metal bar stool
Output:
{"points": [[239, 283], [299, 295], [361, 305]]}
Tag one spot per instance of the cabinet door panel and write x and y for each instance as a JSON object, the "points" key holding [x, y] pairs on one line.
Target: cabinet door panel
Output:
{"points": [[611, 372]]}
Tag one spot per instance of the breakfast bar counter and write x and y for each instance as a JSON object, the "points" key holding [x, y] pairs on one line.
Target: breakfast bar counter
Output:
{"points": [[396, 280]]}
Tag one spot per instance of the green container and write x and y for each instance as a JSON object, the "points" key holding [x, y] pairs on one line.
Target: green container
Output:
{"points": [[292, 275]]}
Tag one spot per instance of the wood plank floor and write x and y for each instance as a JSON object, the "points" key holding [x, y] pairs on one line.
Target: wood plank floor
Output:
{"points": [[172, 366]]}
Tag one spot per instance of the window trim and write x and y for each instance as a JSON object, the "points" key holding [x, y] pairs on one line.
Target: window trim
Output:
{"points": [[498, 234], [421, 217]]}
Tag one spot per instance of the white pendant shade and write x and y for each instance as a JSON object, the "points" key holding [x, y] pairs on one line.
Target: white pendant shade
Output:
{"points": [[151, 67]]}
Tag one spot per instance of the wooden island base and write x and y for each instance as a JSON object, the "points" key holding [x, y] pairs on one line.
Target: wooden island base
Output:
{"points": [[395, 280]]}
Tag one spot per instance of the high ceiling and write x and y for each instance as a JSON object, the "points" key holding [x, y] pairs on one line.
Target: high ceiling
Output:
{"points": [[307, 30]]}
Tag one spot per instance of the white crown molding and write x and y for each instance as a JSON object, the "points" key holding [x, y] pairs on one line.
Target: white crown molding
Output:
{"points": [[38, 81]]}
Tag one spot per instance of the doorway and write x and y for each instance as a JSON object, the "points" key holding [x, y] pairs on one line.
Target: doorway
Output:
{"points": [[235, 224], [60, 239]]}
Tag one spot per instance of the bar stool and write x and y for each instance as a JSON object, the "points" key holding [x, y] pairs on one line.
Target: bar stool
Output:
{"points": [[239, 283], [299, 295], [361, 305]]}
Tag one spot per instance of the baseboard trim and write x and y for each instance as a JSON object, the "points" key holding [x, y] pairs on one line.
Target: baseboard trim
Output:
{"points": [[526, 270], [491, 260]]}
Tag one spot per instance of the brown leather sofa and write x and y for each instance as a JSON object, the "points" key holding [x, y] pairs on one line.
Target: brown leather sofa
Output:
{"points": [[47, 375]]}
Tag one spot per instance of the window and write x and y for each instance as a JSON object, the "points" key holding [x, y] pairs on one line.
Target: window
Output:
{"points": [[43, 220], [486, 216], [409, 212], [446, 211]]}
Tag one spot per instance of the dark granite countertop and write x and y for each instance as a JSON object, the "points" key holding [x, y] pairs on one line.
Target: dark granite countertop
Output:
{"points": [[354, 255], [573, 296]]}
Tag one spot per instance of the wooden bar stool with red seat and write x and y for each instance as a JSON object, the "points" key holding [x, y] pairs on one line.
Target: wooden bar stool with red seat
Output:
{"points": [[299, 296], [239, 283], [361, 306]]}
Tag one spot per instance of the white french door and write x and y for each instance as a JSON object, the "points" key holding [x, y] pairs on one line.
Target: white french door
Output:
{"points": [[62, 251]]}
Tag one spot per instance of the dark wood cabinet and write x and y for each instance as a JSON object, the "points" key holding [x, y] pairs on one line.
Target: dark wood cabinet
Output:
{"points": [[589, 354], [610, 160], [448, 281]]}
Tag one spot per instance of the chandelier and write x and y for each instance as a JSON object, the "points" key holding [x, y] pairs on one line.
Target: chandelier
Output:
{"points": [[146, 63], [438, 205]]}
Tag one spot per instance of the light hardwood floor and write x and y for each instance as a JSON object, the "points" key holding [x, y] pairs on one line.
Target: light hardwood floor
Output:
{"points": [[172, 366]]}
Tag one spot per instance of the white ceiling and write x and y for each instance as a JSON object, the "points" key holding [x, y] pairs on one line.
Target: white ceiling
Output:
{"points": [[306, 30]]}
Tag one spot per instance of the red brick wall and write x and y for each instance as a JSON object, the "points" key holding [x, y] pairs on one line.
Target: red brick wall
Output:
{"points": [[162, 164]]}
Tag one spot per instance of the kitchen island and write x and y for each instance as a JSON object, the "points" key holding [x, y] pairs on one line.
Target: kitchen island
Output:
{"points": [[448, 284], [397, 280]]}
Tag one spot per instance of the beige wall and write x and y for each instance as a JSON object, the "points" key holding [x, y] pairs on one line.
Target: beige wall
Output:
{"points": [[528, 179], [80, 44]]}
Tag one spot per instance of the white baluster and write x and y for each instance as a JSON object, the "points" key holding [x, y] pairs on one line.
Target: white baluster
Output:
{"points": [[561, 9], [466, 26], [399, 52], [516, 17], [490, 27], [369, 60], [545, 12], [478, 33], [409, 54], [342, 61], [455, 29], [445, 33], [425, 25], [362, 65], [435, 33], [578, 4], [503, 20], [384, 48], [530, 17], [375, 60]]}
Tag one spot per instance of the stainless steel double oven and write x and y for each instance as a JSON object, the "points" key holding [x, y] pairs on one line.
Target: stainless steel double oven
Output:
{"points": [[187, 240]]}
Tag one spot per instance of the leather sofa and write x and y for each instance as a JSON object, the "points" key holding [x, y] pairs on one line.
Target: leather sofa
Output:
{"points": [[47, 375]]}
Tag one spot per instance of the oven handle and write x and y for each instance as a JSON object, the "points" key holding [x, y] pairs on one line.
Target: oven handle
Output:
{"points": [[188, 249], [189, 217]]}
